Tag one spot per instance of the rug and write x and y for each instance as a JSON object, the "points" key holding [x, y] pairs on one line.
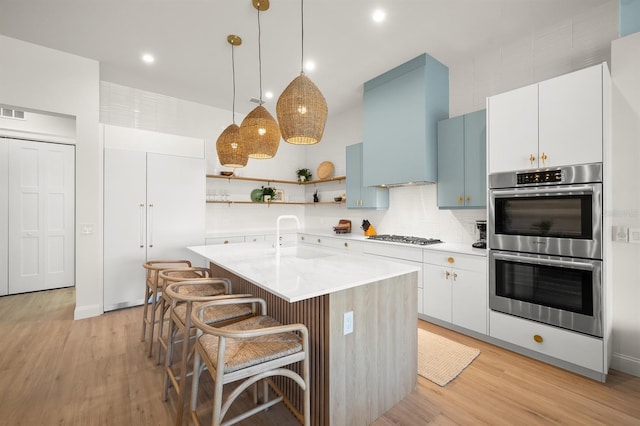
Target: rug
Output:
{"points": [[440, 359]]}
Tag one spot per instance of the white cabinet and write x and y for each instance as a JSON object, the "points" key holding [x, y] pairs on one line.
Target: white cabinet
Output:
{"points": [[455, 289], [513, 129], [571, 118], [153, 209], [345, 244], [408, 255], [556, 122], [575, 348], [225, 240]]}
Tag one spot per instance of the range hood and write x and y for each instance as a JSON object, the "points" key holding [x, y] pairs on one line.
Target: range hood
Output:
{"points": [[401, 111]]}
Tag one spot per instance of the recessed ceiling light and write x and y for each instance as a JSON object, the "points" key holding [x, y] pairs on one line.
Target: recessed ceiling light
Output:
{"points": [[148, 58], [378, 15], [268, 95], [310, 66]]}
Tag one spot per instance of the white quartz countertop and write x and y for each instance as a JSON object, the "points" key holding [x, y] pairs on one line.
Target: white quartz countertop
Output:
{"points": [[300, 272]]}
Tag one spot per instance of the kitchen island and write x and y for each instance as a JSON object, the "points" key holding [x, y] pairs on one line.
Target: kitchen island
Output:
{"points": [[357, 376]]}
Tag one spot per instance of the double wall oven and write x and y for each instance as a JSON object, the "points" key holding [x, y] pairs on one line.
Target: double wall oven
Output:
{"points": [[545, 241]]}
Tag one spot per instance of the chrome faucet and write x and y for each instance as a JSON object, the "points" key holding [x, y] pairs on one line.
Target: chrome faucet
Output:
{"points": [[284, 216]]}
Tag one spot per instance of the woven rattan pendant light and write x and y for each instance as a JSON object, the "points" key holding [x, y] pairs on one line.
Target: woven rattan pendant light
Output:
{"points": [[259, 129], [301, 108], [231, 151]]}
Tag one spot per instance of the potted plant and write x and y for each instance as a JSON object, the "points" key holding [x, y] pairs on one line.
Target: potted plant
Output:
{"points": [[267, 193], [303, 175]]}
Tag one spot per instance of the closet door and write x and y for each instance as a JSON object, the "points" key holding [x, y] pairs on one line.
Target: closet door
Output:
{"points": [[176, 189], [41, 216], [4, 217], [125, 218]]}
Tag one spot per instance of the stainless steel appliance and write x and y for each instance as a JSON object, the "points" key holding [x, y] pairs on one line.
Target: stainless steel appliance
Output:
{"points": [[481, 226], [405, 239], [545, 241], [549, 211], [561, 291]]}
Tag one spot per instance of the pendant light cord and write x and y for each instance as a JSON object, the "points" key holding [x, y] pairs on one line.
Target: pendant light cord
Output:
{"points": [[233, 72], [260, 56], [302, 36]]}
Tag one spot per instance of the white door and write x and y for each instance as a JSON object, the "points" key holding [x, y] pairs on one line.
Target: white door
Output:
{"points": [[4, 217], [571, 118], [154, 207], [125, 221], [41, 216], [176, 191], [513, 130]]}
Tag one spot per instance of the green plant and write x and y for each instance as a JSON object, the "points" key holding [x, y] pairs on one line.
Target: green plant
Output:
{"points": [[304, 172], [268, 190]]}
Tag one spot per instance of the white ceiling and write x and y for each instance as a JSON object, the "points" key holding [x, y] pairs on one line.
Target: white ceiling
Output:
{"points": [[193, 59]]}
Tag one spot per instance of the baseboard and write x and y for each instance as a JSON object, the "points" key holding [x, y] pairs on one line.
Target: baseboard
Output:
{"points": [[626, 364], [82, 312]]}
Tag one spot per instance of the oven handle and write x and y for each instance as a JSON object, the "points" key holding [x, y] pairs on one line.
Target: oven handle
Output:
{"points": [[578, 190], [550, 262]]}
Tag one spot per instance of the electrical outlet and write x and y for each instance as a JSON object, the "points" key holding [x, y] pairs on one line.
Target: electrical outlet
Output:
{"points": [[634, 235], [348, 322], [621, 233]]}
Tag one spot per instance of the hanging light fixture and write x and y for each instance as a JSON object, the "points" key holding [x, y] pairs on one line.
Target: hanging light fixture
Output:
{"points": [[259, 129], [301, 108], [231, 151]]}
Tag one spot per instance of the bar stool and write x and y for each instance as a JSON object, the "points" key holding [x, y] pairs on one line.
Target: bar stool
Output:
{"points": [[185, 296], [151, 292], [169, 276], [251, 350]]}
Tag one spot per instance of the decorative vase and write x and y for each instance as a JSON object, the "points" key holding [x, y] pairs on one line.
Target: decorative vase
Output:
{"points": [[302, 178]]}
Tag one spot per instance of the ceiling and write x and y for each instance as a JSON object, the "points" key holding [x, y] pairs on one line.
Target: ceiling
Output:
{"points": [[193, 58]]}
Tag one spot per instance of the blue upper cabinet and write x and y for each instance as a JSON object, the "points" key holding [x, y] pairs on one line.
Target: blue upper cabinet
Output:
{"points": [[401, 110], [462, 161], [359, 196]]}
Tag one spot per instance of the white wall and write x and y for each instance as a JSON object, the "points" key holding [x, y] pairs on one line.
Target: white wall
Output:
{"points": [[626, 202], [37, 78]]}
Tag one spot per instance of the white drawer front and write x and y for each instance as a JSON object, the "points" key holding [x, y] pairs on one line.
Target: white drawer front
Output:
{"points": [[575, 348], [398, 252], [455, 260]]}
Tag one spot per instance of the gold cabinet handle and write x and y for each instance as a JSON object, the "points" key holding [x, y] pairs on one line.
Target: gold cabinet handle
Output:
{"points": [[226, 242], [302, 238], [468, 198], [460, 199], [318, 240], [447, 274], [455, 276], [532, 159], [543, 157], [538, 338], [451, 260], [346, 244]]}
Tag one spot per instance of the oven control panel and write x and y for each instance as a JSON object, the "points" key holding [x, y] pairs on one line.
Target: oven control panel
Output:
{"points": [[546, 176]]}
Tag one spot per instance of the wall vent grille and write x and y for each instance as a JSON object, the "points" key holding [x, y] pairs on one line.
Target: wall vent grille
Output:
{"points": [[11, 113]]}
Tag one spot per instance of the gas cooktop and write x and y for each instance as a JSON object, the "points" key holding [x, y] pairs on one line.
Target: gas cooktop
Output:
{"points": [[405, 239]]}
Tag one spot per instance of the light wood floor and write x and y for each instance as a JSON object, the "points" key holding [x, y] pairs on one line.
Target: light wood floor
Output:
{"points": [[56, 371]]}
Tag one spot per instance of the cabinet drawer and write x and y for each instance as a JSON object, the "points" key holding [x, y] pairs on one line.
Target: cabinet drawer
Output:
{"points": [[398, 252], [578, 349], [225, 240], [458, 261]]}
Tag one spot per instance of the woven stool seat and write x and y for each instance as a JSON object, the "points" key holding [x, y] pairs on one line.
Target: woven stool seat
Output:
{"points": [[243, 353]]}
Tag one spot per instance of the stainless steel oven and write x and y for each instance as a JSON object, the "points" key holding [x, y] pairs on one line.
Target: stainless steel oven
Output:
{"points": [[554, 211], [560, 291], [545, 246]]}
